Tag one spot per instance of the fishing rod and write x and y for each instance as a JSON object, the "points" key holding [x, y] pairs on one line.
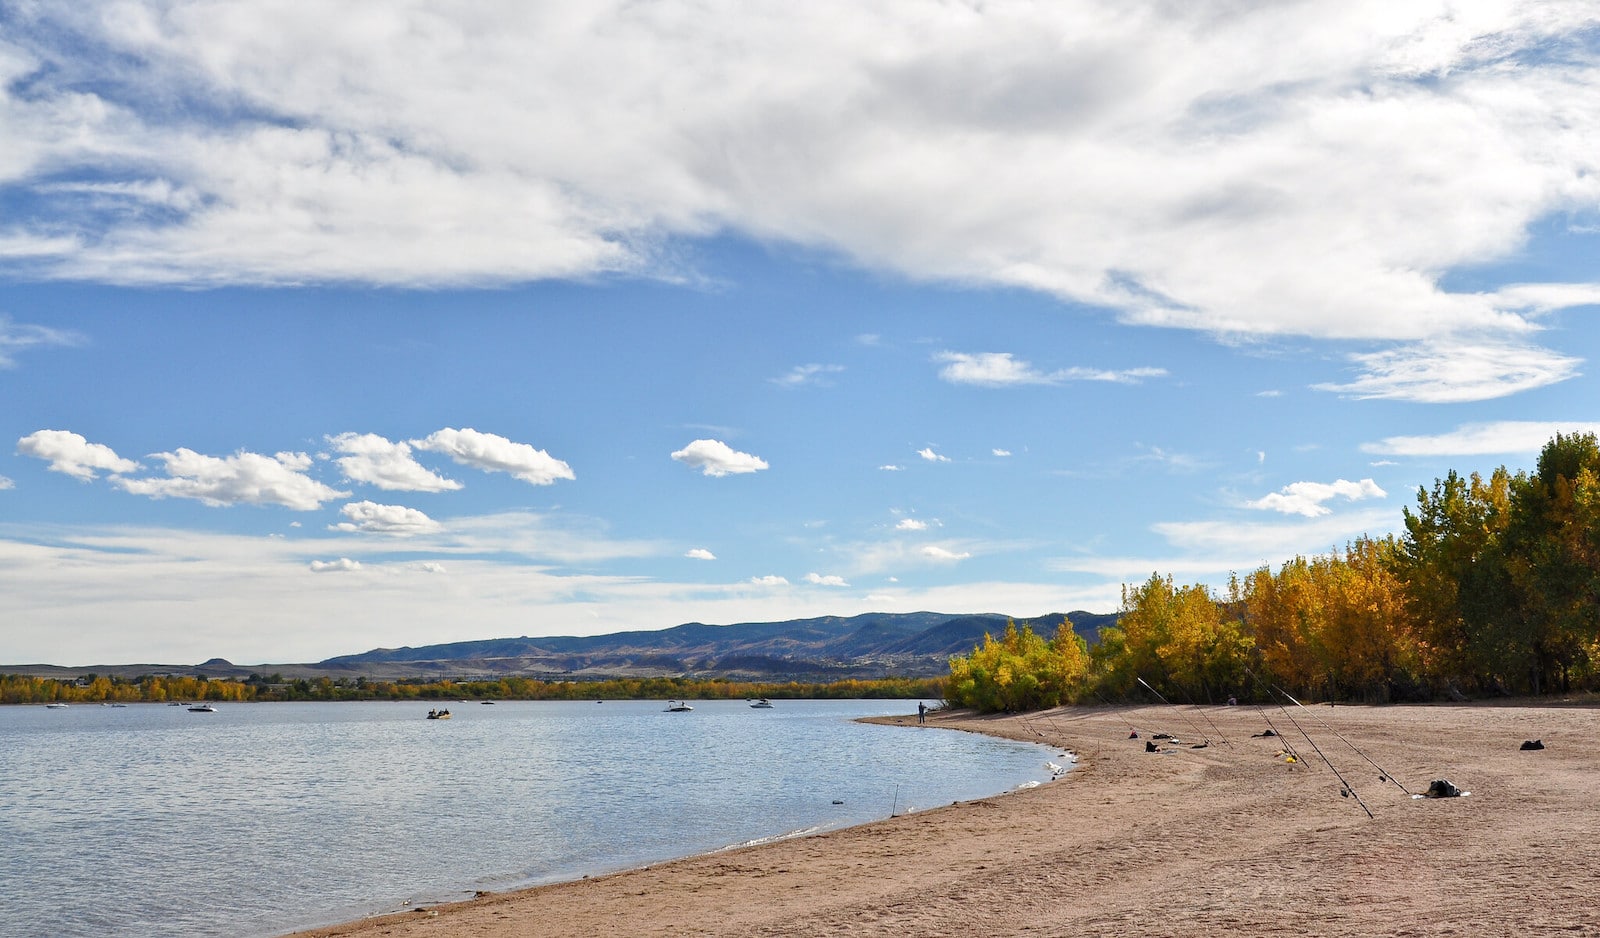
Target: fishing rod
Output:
{"points": [[1197, 728], [1203, 715], [1383, 774], [1347, 789]]}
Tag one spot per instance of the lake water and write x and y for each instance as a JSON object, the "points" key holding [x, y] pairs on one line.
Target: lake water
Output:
{"points": [[259, 819]]}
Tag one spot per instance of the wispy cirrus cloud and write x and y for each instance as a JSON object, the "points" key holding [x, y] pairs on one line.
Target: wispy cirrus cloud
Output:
{"points": [[16, 337], [1002, 369], [1481, 439], [1449, 372], [803, 375]]}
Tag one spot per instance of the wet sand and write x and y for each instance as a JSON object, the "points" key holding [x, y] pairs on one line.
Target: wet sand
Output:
{"points": [[1226, 840]]}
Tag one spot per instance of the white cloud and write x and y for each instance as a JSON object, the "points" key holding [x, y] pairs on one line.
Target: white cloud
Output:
{"points": [[931, 456], [243, 478], [911, 524], [431, 567], [802, 375], [715, 458], [1480, 439], [988, 369], [1211, 541], [1000, 369], [386, 464], [1455, 372], [1001, 452], [342, 565], [492, 453], [73, 455], [1181, 167], [942, 554], [396, 520], [6, 483], [890, 467], [700, 553], [769, 580], [1307, 498], [816, 579], [18, 337]]}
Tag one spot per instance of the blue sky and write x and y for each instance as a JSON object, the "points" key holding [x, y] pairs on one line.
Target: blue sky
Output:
{"points": [[324, 328]]}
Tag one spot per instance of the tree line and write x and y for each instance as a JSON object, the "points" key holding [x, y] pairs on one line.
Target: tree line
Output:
{"points": [[1492, 589], [19, 689]]}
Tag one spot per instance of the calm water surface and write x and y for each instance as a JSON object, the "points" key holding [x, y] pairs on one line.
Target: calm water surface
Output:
{"points": [[150, 820]]}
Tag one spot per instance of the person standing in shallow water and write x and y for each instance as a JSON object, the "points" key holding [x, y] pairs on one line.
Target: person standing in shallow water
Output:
{"points": [[922, 712]]}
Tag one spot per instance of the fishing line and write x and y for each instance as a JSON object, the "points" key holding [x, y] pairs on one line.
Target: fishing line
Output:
{"points": [[1203, 715], [1383, 774], [1195, 726], [1347, 788]]}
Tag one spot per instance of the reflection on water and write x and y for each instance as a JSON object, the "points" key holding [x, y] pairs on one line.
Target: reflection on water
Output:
{"points": [[260, 818]]}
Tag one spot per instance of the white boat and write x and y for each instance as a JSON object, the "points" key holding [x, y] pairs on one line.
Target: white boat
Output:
{"points": [[202, 708], [762, 704], [678, 706], [55, 706]]}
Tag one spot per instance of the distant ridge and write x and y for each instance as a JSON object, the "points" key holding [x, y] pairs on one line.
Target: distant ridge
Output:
{"points": [[827, 648], [916, 644]]}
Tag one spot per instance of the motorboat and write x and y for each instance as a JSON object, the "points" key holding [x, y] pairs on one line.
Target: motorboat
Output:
{"points": [[678, 706], [55, 706], [438, 714], [202, 708], [762, 704]]}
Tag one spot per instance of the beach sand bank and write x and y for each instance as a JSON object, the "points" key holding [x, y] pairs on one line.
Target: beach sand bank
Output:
{"points": [[1226, 840]]}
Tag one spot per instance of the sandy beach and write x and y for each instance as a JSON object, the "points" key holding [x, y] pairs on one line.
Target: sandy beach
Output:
{"points": [[1230, 839]]}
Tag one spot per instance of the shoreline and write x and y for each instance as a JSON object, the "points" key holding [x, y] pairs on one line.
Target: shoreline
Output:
{"points": [[1225, 840]]}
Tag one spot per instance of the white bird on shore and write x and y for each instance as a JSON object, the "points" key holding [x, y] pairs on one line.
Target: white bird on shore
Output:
{"points": [[1055, 770]]}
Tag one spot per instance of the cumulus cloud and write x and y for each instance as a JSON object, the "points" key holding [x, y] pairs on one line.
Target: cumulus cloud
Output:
{"points": [[769, 580], [890, 467], [1001, 452], [240, 479], [802, 375], [700, 553], [931, 456], [18, 337], [911, 524], [73, 455], [1308, 498], [387, 464], [395, 520], [6, 483], [817, 579], [492, 453], [1164, 162], [716, 458], [1481, 439], [342, 565], [431, 567]]}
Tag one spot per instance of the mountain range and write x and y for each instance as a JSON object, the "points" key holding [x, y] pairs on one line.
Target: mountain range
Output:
{"points": [[829, 648]]}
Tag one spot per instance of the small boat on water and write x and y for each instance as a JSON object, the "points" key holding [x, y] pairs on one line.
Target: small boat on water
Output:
{"points": [[678, 706], [762, 704], [202, 708], [438, 714], [55, 706]]}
